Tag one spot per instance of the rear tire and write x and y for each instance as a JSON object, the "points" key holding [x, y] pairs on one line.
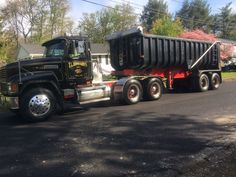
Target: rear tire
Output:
{"points": [[132, 92], [215, 81], [37, 105], [153, 89], [201, 83]]}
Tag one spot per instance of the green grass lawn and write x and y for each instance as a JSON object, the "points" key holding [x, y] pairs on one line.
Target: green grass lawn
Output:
{"points": [[229, 75]]}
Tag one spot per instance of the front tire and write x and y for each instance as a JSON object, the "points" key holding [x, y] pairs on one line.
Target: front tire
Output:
{"points": [[37, 105]]}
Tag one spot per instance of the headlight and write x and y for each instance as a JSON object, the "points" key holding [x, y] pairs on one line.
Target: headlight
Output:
{"points": [[12, 87]]}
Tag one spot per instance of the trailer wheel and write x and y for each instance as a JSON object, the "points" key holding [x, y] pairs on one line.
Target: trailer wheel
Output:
{"points": [[37, 105], [215, 81], [202, 83], [132, 92], [153, 89]]}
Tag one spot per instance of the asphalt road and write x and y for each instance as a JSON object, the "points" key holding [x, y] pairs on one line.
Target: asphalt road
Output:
{"points": [[169, 137]]}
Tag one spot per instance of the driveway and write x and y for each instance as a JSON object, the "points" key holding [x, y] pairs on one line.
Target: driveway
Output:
{"points": [[182, 134]]}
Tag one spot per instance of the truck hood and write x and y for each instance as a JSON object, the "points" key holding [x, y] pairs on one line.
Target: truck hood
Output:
{"points": [[40, 64]]}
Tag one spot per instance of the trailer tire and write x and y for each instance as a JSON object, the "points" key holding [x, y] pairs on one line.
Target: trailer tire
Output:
{"points": [[153, 89], [37, 105], [132, 92], [215, 81], [202, 83]]}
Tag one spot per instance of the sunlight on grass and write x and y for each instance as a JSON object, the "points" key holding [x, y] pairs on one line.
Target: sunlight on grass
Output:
{"points": [[228, 75]]}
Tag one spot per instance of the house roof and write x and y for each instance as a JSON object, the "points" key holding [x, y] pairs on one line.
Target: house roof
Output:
{"points": [[227, 41], [37, 49], [99, 48], [81, 37], [33, 48], [2, 63]]}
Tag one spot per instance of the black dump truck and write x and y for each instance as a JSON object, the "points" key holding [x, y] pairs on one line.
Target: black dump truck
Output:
{"points": [[144, 65]]}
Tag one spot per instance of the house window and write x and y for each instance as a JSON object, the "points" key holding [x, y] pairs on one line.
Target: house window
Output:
{"points": [[100, 59], [107, 61]]}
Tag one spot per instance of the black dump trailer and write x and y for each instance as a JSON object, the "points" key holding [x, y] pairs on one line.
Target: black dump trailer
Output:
{"points": [[177, 60], [135, 50]]}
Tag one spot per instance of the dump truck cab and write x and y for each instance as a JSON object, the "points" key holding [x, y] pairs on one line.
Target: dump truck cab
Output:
{"points": [[37, 88], [74, 51]]}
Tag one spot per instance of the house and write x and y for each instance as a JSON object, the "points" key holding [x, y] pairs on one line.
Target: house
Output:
{"points": [[229, 64], [226, 41], [29, 51], [99, 52], [2, 63]]}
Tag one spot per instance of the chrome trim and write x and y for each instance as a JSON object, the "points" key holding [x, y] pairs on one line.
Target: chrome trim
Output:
{"points": [[14, 102], [95, 100], [10, 102], [201, 57], [39, 105]]}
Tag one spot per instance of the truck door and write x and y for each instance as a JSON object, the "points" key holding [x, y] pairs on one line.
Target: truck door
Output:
{"points": [[80, 66]]}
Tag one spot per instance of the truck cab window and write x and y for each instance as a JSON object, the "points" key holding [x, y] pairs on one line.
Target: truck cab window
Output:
{"points": [[56, 49], [77, 49]]}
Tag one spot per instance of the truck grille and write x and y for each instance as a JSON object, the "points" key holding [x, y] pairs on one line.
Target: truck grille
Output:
{"points": [[3, 74]]}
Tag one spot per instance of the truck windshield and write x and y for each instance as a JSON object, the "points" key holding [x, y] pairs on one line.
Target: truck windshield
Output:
{"points": [[56, 49]]}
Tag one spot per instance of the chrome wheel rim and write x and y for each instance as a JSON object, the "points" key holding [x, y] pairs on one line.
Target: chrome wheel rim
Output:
{"points": [[39, 105], [155, 90], [204, 83], [133, 93], [216, 81]]}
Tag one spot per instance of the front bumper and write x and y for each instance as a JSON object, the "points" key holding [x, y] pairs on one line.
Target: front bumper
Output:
{"points": [[10, 102]]}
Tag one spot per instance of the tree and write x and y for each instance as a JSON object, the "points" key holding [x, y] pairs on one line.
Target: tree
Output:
{"points": [[226, 21], [7, 47], [215, 26], [57, 15], [36, 20], [195, 15], [199, 35], [233, 34], [106, 21], [7, 44], [226, 49], [38, 34], [167, 27], [184, 11], [21, 15], [31, 21], [88, 25], [154, 10], [122, 17]]}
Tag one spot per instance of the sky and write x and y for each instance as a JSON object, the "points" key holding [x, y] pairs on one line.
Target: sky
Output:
{"points": [[78, 7]]}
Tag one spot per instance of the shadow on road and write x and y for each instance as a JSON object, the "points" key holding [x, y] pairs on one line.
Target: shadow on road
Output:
{"points": [[115, 143]]}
